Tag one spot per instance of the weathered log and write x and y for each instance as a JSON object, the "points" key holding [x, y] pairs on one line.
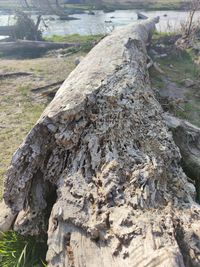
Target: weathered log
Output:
{"points": [[24, 45], [101, 170], [187, 138]]}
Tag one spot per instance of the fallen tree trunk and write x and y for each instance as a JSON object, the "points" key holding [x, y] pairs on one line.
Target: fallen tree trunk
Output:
{"points": [[187, 138], [23, 45], [101, 171]]}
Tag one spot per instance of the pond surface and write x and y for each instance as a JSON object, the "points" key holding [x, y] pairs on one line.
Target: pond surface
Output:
{"points": [[104, 22]]}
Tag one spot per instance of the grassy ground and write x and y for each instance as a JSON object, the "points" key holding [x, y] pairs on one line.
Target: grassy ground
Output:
{"points": [[178, 68], [75, 38], [133, 4], [148, 4], [121, 4], [20, 109], [86, 41]]}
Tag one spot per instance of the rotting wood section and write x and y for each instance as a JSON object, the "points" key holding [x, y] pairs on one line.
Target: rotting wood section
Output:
{"points": [[100, 168]]}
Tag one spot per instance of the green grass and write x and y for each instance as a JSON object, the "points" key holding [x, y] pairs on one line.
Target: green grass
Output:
{"points": [[83, 7], [183, 66], [183, 63], [86, 42], [167, 5], [190, 112], [157, 35], [120, 5], [20, 251], [177, 67], [158, 81], [148, 5], [74, 38], [24, 90]]}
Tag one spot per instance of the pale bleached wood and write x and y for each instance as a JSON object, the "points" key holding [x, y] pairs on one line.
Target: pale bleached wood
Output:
{"points": [[7, 218]]}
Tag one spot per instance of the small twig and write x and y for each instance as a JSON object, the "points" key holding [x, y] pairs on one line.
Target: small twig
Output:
{"points": [[180, 108], [158, 68], [150, 64]]}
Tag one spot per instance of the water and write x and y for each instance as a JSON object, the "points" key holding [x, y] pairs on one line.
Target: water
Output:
{"points": [[104, 22]]}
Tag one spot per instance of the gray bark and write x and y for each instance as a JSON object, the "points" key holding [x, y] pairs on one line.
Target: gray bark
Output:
{"points": [[103, 147], [187, 138]]}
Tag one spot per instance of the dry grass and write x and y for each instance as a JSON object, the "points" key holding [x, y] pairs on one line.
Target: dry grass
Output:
{"points": [[20, 109]]}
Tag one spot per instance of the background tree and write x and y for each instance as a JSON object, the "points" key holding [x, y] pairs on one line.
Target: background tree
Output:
{"points": [[26, 28]]}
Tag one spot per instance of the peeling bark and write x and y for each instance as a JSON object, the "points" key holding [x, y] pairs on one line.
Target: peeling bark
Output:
{"points": [[102, 164]]}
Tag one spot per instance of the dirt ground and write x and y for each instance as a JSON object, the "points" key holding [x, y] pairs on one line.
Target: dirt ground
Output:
{"points": [[19, 107]]}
